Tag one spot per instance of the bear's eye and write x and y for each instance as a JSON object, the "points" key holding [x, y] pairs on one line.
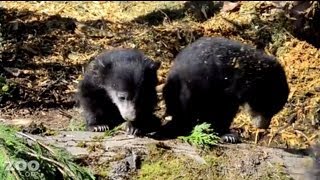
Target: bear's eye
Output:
{"points": [[122, 98]]}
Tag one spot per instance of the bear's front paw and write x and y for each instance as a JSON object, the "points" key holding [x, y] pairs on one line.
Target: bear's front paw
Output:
{"points": [[132, 130], [232, 138], [98, 128]]}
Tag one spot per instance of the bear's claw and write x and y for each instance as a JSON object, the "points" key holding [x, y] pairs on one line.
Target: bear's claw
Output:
{"points": [[230, 138], [99, 128]]}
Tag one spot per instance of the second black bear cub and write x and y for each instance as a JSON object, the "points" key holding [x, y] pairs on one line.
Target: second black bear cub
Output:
{"points": [[119, 85], [212, 77]]}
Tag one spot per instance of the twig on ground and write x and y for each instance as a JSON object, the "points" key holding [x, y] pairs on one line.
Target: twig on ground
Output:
{"points": [[291, 120], [51, 84]]}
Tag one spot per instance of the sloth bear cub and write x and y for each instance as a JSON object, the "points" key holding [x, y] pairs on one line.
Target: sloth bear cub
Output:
{"points": [[119, 86], [212, 77]]}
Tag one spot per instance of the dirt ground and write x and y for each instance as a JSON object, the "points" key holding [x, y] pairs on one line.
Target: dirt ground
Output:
{"points": [[46, 45]]}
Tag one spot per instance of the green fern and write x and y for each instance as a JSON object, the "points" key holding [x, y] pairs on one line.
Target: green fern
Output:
{"points": [[202, 136]]}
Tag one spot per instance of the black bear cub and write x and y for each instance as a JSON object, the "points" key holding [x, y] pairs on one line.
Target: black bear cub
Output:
{"points": [[212, 77], [119, 86]]}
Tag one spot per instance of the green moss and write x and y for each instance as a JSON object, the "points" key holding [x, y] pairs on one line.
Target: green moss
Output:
{"points": [[102, 170], [162, 164], [50, 132], [162, 170], [94, 147], [98, 138], [275, 171], [81, 144]]}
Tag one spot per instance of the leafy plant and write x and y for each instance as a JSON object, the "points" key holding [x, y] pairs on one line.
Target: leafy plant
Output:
{"points": [[201, 136], [4, 86], [6, 89], [23, 157]]}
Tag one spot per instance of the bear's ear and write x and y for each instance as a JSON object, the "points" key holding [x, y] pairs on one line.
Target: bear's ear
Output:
{"points": [[154, 65]]}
